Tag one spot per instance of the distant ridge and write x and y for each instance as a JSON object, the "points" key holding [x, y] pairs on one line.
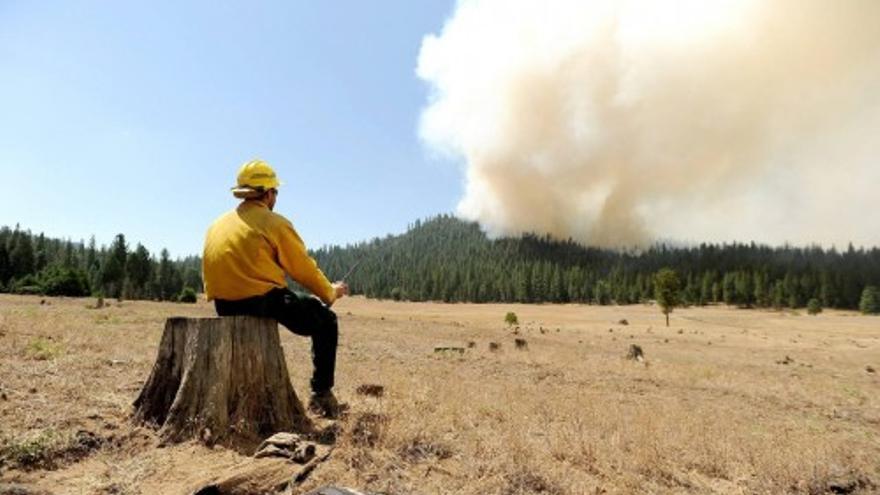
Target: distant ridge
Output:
{"points": [[447, 259]]}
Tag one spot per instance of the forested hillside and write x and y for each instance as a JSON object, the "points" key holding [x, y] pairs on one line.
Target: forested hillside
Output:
{"points": [[451, 260], [36, 264], [447, 259]]}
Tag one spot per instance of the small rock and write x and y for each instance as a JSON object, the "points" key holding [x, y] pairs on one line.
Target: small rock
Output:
{"points": [[521, 344], [288, 445], [494, 346], [623, 322], [282, 439], [869, 369], [32, 390]]}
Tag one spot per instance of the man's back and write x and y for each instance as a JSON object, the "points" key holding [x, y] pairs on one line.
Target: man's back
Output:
{"points": [[249, 249]]}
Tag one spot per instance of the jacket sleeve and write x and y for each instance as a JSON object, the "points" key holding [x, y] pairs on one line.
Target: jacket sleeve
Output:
{"points": [[295, 259]]}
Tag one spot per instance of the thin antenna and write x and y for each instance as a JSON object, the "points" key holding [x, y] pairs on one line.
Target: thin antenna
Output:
{"points": [[350, 270]]}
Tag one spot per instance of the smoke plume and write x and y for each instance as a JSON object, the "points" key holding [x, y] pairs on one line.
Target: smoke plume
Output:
{"points": [[621, 123]]}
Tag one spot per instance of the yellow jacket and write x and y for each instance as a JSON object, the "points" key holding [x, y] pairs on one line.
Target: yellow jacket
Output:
{"points": [[248, 250]]}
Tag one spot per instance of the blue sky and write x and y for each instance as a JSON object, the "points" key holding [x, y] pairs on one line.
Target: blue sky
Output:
{"points": [[133, 117]]}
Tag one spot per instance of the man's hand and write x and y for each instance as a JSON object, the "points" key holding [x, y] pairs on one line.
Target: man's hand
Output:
{"points": [[341, 289]]}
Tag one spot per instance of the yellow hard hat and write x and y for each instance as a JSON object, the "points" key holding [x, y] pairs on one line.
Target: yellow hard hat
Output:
{"points": [[255, 176]]}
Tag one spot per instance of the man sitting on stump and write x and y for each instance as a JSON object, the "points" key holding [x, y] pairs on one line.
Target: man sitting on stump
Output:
{"points": [[248, 251]]}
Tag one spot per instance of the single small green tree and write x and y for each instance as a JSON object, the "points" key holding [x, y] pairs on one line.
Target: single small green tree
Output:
{"points": [[814, 307], [187, 295], [869, 304], [511, 319], [396, 294], [666, 290]]}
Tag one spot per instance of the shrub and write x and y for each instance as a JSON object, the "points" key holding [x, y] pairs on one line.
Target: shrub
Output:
{"points": [[46, 449], [814, 307], [511, 319], [26, 285], [187, 295], [396, 294], [30, 290], [53, 281], [61, 281], [30, 452]]}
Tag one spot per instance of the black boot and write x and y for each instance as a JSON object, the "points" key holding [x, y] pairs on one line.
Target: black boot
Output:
{"points": [[324, 404]]}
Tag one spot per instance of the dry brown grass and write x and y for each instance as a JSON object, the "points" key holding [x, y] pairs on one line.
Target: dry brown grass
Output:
{"points": [[711, 410]]}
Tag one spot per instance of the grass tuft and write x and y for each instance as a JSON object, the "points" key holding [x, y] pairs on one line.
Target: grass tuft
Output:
{"points": [[30, 452], [43, 349]]}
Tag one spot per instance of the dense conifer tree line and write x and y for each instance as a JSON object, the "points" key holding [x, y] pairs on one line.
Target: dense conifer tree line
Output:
{"points": [[36, 264], [447, 259]]}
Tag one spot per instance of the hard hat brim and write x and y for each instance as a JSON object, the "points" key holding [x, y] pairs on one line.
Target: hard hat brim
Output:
{"points": [[244, 192]]}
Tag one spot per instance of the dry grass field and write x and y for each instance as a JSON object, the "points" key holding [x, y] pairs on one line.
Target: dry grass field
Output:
{"points": [[725, 401]]}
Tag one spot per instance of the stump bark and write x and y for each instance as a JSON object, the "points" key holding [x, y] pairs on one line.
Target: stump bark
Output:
{"points": [[222, 381]]}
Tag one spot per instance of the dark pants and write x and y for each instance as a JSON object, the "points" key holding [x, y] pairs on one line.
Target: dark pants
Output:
{"points": [[302, 315]]}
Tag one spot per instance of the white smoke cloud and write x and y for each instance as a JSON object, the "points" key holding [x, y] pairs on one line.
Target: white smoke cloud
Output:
{"points": [[618, 123]]}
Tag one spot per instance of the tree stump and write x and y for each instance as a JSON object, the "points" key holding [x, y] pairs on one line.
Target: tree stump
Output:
{"points": [[222, 381]]}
